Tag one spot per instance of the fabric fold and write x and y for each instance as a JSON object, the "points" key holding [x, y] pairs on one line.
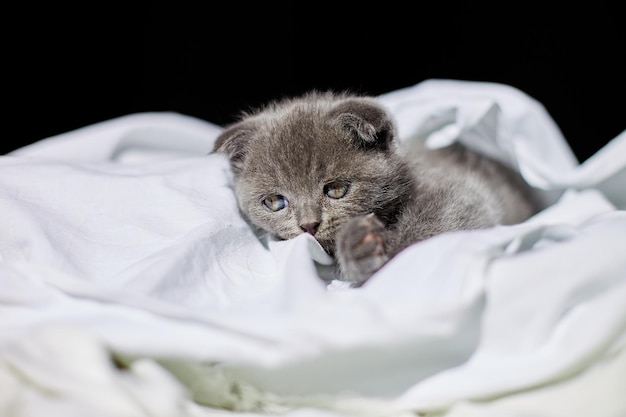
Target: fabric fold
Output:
{"points": [[130, 284]]}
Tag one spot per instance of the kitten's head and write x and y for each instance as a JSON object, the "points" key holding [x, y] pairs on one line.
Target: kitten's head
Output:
{"points": [[306, 165]]}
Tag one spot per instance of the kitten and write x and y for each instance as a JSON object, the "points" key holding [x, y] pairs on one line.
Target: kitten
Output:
{"points": [[329, 164]]}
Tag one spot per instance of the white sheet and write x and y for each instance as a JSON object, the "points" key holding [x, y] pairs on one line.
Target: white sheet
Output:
{"points": [[123, 238]]}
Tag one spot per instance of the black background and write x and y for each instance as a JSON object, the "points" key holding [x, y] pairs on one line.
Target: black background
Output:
{"points": [[70, 67]]}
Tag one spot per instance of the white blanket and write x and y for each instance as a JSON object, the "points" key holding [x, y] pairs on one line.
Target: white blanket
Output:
{"points": [[131, 286]]}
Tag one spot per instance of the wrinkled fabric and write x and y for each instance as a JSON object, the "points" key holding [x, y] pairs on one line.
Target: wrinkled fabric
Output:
{"points": [[131, 285]]}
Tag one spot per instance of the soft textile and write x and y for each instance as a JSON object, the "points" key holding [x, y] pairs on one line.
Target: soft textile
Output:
{"points": [[131, 286]]}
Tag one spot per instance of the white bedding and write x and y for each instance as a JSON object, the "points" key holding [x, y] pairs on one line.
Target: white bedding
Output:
{"points": [[123, 240]]}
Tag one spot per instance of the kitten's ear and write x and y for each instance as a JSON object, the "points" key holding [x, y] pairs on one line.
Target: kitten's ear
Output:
{"points": [[233, 142], [370, 124]]}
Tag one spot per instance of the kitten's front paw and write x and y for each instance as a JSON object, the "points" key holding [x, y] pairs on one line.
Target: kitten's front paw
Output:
{"points": [[361, 248]]}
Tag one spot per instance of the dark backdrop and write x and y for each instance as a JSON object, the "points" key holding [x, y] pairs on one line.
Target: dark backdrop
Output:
{"points": [[67, 68]]}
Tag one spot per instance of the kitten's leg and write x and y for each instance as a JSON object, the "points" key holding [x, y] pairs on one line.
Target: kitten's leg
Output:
{"points": [[361, 248]]}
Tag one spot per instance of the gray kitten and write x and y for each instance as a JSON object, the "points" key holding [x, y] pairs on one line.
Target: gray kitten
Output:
{"points": [[329, 164]]}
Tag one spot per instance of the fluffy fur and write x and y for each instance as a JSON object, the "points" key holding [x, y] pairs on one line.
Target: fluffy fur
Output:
{"points": [[329, 164]]}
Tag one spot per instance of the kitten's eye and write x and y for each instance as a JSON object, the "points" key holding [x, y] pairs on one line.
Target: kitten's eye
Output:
{"points": [[275, 202], [336, 189]]}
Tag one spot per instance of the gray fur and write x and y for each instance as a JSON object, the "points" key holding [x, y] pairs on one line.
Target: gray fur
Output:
{"points": [[398, 194]]}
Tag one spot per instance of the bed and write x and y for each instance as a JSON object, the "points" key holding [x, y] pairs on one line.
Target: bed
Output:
{"points": [[130, 285]]}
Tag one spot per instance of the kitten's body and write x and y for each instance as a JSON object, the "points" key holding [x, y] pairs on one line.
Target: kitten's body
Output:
{"points": [[330, 165]]}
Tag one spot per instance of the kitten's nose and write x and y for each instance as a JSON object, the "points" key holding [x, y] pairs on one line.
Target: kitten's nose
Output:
{"points": [[310, 228]]}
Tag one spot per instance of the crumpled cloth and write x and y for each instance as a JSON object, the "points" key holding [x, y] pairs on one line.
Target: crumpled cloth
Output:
{"points": [[131, 286]]}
